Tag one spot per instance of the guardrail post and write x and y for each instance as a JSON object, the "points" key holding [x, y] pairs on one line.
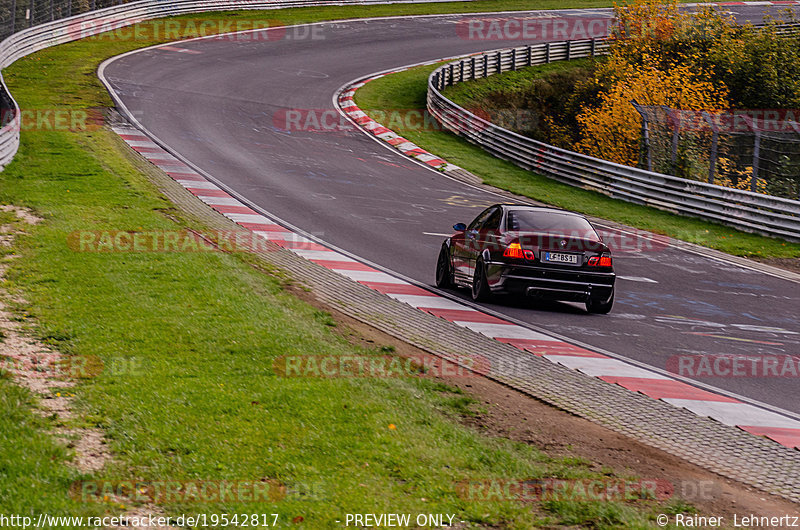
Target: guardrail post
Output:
{"points": [[452, 75], [646, 141], [485, 66], [676, 131], [547, 53], [796, 126], [499, 62], [461, 71], [472, 67], [756, 155], [712, 158], [644, 152], [530, 55], [569, 49], [594, 46]]}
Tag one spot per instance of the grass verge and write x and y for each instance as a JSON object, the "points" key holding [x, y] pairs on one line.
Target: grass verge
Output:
{"points": [[407, 90], [515, 81], [198, 333]]}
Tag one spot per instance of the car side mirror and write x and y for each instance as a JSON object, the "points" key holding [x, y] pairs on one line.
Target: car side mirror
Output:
{"points": [[459, 227]]}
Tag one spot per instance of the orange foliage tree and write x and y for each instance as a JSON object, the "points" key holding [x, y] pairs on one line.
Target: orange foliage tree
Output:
{"points": [[643, 27], [643, 67], [612, 130]]}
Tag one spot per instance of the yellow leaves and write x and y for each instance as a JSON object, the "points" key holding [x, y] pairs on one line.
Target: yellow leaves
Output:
{"points": [[642, 67], [642, 22], [741, 179], [612, 130]]}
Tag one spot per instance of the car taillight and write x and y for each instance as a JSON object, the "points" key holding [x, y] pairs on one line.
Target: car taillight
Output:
{"points": [[514, 250], [600, 261]]}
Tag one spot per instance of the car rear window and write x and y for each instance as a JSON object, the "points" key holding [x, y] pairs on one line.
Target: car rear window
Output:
{"points": [[563, 224]]}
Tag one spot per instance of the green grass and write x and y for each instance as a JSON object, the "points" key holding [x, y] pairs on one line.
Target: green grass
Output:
{"points": [[188, 340], [407, 90], [516, 81], [33, 481]]}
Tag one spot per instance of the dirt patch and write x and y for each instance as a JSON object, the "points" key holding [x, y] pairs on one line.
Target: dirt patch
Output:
{"points": [[513, 415], [42, 370], [790, 264], [49, 375], [23, 214]]}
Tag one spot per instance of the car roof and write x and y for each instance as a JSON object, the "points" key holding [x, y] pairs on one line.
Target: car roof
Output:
{"points": [[514, 206]]}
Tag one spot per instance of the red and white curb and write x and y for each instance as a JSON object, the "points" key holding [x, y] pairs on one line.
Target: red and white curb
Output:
{"points": [[730, 411], [346, 103], [727, 410], [408, 148]]}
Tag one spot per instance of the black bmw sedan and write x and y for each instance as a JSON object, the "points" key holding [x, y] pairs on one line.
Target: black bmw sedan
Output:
{"points": [[529, 251]]}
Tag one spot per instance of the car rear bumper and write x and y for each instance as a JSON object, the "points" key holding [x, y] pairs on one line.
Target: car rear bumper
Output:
{"points": [[552, 283]]}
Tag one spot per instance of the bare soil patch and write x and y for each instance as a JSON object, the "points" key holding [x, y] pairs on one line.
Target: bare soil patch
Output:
{"points": [[41, 369], [790, 264]]}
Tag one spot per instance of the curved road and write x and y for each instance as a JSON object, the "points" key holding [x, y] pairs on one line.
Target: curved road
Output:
{"points": [[217, 102]]}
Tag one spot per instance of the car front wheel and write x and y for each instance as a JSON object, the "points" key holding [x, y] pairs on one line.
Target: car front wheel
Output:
{"points": [[443, 273]]}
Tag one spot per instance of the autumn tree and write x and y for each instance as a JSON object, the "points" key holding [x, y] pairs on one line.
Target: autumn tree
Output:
{"points": [[648, 63], [612, 130]]}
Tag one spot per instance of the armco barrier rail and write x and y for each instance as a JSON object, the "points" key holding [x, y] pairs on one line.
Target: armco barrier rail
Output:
{"points": [[36, 38], [742, 209], [748, 211]]}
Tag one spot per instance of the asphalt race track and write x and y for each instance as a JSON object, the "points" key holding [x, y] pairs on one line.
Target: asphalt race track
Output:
{"points": [[219, 103]]}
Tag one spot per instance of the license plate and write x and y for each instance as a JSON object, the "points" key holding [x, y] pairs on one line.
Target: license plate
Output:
{"points": [[560, 257]]}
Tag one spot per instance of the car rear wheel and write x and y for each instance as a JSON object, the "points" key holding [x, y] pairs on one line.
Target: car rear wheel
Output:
{"points": [[444, 274], [480, 285], [598, 307]]}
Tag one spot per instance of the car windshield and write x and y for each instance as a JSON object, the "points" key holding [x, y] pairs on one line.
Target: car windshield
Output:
{"points": [[544, 222]]}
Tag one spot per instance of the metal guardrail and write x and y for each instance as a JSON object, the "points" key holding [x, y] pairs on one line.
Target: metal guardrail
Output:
{"points": [[745, 210], [76, 27]]}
